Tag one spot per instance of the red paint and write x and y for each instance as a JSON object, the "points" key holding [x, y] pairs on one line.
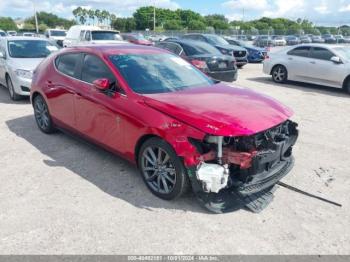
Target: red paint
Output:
{"points": [[102, 84], [119, 122]]}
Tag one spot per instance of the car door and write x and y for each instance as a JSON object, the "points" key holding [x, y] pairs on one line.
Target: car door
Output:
{"points": [[60, 88], [297, 63], [99, 115], [3, 62], [323, 70]]}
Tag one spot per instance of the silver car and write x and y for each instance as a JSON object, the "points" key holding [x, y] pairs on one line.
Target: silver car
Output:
{"points": [[19, 56], [311, 63]]}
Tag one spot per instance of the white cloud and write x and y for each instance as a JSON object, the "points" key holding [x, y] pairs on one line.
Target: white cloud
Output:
{"points": [[345, 8], [246, 4]]}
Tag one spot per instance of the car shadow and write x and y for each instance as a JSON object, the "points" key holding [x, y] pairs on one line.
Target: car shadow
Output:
{"points": [[5, 97], [305, 87], [110, 173]]}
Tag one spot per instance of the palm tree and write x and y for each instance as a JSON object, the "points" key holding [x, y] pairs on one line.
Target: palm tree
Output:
{"points": [[112, 18], [83, 16], [98, 15], [104, 15], [91, 14], [77, 12]]}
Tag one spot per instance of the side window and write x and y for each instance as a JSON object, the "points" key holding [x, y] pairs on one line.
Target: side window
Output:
{"points": [[81, 36], [321, 53], [174, 48], [300, 51], [94, 68], [67, 63], [87, 36]]}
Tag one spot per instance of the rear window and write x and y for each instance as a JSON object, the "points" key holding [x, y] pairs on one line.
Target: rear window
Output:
{"points": [[67, 63], [199, 49]]}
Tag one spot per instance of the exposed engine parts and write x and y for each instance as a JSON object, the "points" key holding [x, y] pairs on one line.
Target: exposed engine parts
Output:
{"points": [[249, 164]]}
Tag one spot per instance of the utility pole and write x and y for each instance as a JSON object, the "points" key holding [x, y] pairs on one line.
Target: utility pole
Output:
{"points": [[36, 19], [154, 18], [243, 14]]}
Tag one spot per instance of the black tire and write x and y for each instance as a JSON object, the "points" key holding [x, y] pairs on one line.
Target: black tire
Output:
{"points": [[155, 173], [42, 115], [240, 66], [279, 74], [347, 85], [13, 95]]}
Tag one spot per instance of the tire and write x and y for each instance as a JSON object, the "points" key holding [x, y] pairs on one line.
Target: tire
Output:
{"points": [[240, 66], [347, 86], [279, 74], [13, 95], [162, 170], [42, 115]]}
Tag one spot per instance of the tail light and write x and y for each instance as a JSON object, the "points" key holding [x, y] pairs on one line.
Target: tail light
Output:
{"points": [[201, 65]]}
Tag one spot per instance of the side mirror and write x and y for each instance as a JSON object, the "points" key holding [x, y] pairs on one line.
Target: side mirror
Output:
{"points": [[101, 84], [336, 59], [2, 55]]}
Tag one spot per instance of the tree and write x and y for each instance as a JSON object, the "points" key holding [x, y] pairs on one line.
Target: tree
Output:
{"points": [[173, 25], [28, 27], [91, 14], [124, 24], [7, 23], [98, 15], [50, 20], [77, 12], [196, 25]]}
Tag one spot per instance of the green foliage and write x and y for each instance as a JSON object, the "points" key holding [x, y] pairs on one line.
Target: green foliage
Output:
{"points": [[124, 24], [196, 25], [6, 23], [28, 27], [50, 20], [172, 25]]}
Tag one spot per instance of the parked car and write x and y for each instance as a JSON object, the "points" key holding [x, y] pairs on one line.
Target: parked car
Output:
{"points": [[222, 45], [242, 37], [2, 33], [347, 39], [56, 35], [156, 38], [11, 33], [292, 40], [263, 41], [232, 145], [137, 39], [205, 57], [305, 39], [29, 34], [278, 40], [313, 63], [255, 54], [82, 35], [329, 39], [19, 56], [317, 39], [339, 39]]}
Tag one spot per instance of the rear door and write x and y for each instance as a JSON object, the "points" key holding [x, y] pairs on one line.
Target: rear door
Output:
{"points": [[298, 62], [322, 70], [61, 88]]}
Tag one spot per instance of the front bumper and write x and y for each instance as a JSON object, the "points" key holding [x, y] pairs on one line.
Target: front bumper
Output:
{"points": [[21, 85], [241, 61]]}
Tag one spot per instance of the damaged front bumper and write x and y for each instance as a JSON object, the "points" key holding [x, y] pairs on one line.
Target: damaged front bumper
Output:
{"points": [[245, 173]]}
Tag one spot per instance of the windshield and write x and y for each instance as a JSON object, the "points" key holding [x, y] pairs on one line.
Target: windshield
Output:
{"points": [[343, 51], [2, 33], [30, 48], [105, 35], [216, 40], [58, 33], [199, 48], [158, 73]]}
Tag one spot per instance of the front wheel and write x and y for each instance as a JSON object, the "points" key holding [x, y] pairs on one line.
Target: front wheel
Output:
{"points": [[13, 95], [42, 115], [162, 170], [279, 74]]}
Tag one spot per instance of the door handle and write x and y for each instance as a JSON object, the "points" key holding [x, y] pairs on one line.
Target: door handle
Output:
{"points": [[313, 62], [289, 58]]}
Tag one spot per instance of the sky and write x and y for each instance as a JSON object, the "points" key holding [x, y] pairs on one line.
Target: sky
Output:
{"points": [[321, 12]]}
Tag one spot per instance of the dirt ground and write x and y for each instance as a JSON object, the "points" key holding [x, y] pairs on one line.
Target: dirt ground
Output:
{"points": [[59, 195]]}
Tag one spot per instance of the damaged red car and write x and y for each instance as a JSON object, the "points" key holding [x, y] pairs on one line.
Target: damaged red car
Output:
{"points": [[182, 129]]}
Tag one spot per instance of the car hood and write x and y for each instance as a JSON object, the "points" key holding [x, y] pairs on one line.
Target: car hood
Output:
{"points": [[255, 49], [231, 47], [108, 42], [25, 63], [221, 110]]}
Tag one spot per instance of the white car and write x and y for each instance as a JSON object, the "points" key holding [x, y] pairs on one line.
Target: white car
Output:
{"points": [[19, 56], [11, 33], [57, 35], [311, 63], [81, 35], [278, 41]]}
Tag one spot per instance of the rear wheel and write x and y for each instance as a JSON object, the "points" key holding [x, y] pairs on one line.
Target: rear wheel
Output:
{"points": [[13, 95], [162, 170], [279, 74], [42, 115]]}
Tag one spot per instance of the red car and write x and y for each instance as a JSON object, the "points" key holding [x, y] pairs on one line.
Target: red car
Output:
{"points": [[137, 39], [181, 129]]}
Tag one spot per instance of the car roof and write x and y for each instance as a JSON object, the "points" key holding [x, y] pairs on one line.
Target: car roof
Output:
{"points": [[29, 38], [319, 45], [114, 49]]}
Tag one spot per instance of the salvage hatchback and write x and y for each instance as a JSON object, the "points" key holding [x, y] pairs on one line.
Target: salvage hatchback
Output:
{"points": [[182, 129]]}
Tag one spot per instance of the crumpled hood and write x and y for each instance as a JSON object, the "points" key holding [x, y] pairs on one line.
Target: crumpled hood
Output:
{"points": [[221, 110]]}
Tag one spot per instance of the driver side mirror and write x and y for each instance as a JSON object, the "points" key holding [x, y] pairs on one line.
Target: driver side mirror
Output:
{"points": [[101, 84], [336, 59]]}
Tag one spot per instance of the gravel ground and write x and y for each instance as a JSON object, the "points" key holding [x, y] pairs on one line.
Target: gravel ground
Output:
{"points": [[59, 195]]}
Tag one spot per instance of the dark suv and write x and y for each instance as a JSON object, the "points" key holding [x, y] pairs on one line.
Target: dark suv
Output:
{"points": [[222, 45]]}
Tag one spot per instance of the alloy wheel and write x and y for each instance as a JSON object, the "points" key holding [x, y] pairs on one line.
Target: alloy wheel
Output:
{"points": [[279, 74], [41, 113], [158, 170]]}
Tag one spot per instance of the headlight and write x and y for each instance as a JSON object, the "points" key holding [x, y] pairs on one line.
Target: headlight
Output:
{"points": [[24, 73], [224, 51]]}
